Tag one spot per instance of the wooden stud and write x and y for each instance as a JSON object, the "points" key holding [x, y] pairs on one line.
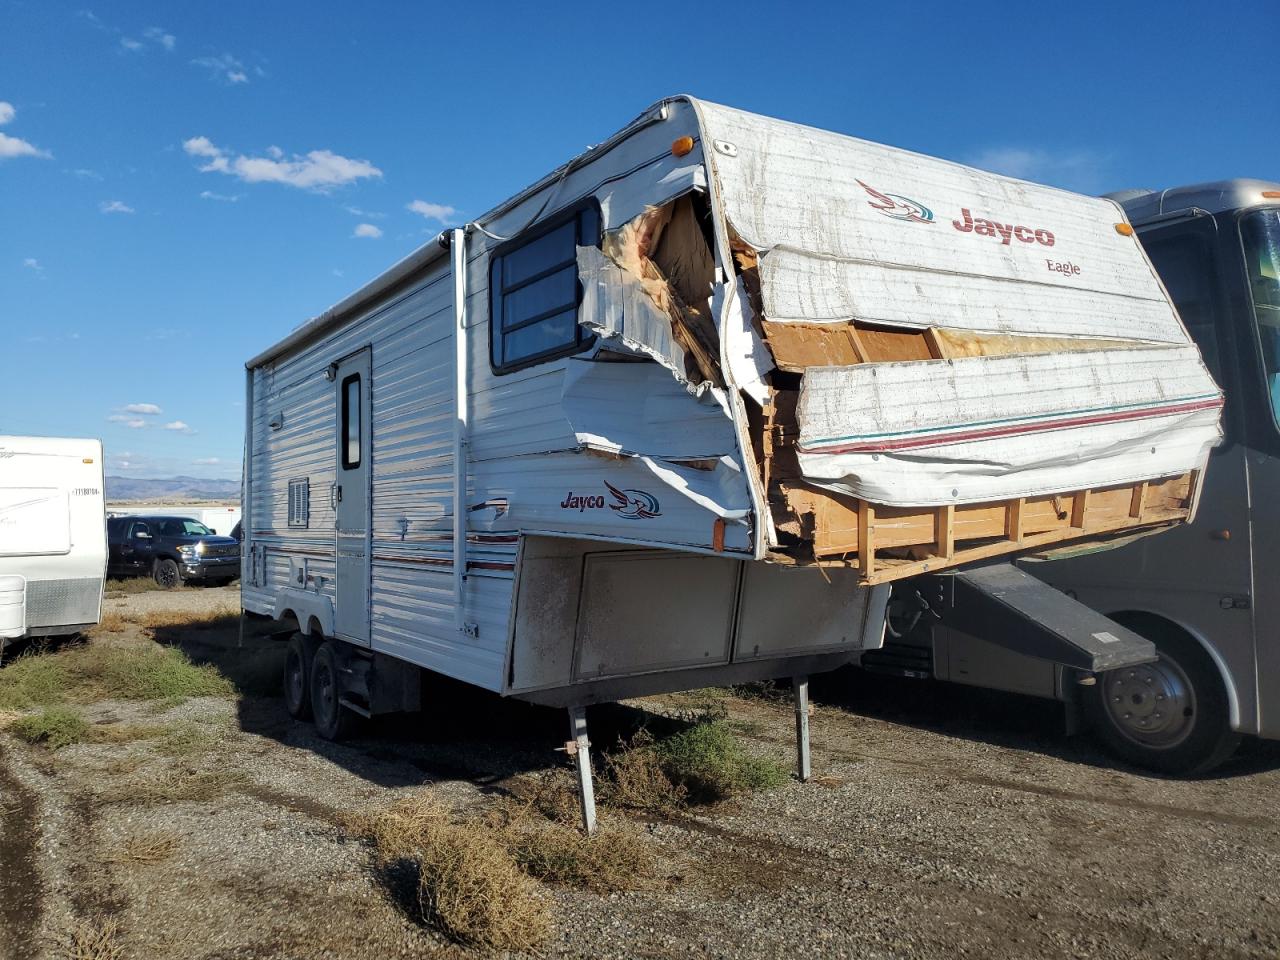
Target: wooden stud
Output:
{"points": [[717, 535], [944, 531], [1013, 519], [936, 348], [1139, 502], [866, 544], [1079, 508], [859, 347]]}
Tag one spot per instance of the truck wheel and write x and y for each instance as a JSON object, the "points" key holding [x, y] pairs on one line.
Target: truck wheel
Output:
{"points": [[297, 679], [167, 575], [333, 721], [1171, 715]]}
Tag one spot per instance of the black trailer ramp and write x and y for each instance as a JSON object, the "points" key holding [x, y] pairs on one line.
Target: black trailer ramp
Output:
{"points": [[1009, 607]]}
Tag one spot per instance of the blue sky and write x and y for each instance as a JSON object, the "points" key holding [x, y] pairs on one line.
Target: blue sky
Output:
{"points": [[181, 184]]}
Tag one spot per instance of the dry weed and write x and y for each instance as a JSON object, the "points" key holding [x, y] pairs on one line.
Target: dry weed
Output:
{"points": [[175, 786], [636, 780], [611, 860], [110, 622], [222, 616], [149, 847], [95, 939], [468, 884]]}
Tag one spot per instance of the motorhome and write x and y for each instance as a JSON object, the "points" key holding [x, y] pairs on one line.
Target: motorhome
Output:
{"points": [[53, 542], [679, 412], [1199, 593]]}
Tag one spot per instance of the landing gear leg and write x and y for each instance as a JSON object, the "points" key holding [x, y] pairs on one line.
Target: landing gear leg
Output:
{"points": [[580, 748], [800, 691]]}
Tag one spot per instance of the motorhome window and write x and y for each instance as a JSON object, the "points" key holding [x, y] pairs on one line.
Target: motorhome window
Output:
{"points": [[351, 422], [534, 293], [1185, 265], [1261, 234]]}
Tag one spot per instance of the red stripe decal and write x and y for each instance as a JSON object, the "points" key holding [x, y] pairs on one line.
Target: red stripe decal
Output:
{"points": [[989, 433]]}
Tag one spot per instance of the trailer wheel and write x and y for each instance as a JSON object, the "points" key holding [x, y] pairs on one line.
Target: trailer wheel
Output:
{"points": [[333, 721], [1172, 715], [167, 575], [297, 679]]}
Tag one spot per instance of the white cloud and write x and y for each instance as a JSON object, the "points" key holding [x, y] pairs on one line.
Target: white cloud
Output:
{"points": [[432, 211], [31, 263], [179, 427], [207, 461], [225, 68], [364, 214], [86, 174], [128, 43], [226, 198], [159, 36], [367, 230], [318, 170], [146, 409], [1081, 170], [133, 423], [115, 206], [11, 147]]}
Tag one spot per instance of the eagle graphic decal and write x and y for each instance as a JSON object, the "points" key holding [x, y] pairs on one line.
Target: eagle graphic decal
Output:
{"points": [[633, 504], [899, 208]]}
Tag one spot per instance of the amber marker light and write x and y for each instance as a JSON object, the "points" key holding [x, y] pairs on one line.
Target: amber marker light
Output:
{"points": [[1124, 229], [1271, 194], [87, 460], [681, 145]]}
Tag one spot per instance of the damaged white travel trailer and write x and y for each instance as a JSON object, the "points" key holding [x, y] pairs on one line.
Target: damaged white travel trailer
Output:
{"points": [[677, 414], [53, 537]]}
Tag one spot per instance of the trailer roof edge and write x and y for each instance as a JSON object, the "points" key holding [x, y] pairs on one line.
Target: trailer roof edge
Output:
{"points": [[437, 246]]}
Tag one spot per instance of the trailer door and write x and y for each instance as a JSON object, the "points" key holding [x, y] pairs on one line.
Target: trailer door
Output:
{"points": [[351, 498]]}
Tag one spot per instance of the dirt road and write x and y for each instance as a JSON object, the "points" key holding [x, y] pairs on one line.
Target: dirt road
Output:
{"points": [[943, 823]]}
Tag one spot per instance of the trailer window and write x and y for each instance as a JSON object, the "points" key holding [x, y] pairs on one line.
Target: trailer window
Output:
{"points": [[351, 422], [534, 292]]}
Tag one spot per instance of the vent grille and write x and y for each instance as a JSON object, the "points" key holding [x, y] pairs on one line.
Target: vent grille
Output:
{"points": [[57, 603], [299, 502]]}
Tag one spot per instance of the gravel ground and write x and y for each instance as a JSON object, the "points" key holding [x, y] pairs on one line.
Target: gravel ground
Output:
{"points": [[943, 822]]}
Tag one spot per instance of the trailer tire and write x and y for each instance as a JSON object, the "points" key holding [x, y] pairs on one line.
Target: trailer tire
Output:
{"points": [[297, 678], [1129, 709], [333, 721], [166, 574]]}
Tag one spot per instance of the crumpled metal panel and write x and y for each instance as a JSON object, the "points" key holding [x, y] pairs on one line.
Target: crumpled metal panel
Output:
{"points": [[983, 428]]}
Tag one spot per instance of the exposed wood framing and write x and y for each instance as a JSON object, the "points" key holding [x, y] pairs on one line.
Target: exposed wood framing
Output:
{"points": [[888, 543]]}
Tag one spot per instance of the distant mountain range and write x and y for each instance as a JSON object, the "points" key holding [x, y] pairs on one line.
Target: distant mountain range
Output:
{"points": [[173, 488]]}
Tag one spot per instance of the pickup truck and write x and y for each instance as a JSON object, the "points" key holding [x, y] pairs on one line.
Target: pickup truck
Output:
{"points": [[173, 550]]}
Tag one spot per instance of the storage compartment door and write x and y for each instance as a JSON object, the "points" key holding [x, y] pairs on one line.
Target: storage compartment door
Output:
{"points": [[645, 611]]}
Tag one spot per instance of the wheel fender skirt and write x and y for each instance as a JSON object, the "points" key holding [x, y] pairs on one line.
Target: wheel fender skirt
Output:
{"points": [[1008, 607]]}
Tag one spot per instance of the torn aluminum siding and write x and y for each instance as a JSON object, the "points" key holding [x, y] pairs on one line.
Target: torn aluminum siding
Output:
{"points": [[847, 232]]}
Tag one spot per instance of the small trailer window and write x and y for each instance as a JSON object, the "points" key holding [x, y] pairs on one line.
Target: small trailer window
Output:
{"points": [[534, 292], [351, 422]]}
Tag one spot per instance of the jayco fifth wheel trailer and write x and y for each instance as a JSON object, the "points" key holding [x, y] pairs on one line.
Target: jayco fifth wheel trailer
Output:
{"points": [[678, 413], [53, 539]]}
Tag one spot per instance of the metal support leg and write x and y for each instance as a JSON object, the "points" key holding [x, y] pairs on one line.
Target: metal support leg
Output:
{"points": [[581, 749], [800, 690]]}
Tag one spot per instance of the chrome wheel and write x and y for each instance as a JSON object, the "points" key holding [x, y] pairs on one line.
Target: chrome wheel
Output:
{"points": [[1153, 705]]}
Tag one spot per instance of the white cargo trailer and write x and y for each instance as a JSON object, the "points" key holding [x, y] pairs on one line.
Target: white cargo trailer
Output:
{"points": [[53, 541], [676, 414]]}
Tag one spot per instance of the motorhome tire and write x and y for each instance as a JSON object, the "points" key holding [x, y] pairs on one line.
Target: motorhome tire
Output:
{"points": [[167, 575], [297, 679], [1172, 715], [332, 720]]}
